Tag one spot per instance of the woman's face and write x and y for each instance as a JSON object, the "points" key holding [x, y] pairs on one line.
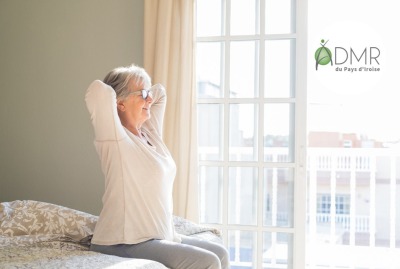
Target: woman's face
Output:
{"points": [[134, 108]]}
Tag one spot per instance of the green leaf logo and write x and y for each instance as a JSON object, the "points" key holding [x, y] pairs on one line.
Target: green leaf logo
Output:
{"points": [[323, 55]]}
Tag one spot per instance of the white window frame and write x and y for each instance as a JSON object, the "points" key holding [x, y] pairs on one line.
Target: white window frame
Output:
{"points": [[300, 100]]}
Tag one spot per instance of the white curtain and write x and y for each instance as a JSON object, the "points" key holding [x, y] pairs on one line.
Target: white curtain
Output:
{"points": [[169, 58]]}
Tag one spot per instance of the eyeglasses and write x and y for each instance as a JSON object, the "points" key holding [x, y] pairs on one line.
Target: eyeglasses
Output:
{"points": [[144, 93]]}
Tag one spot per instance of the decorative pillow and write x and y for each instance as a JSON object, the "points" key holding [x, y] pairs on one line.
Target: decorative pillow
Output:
{"points": [[29, 217], [187, 227]]}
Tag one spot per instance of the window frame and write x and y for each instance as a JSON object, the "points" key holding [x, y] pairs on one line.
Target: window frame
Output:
{"points": [[299, 99]]}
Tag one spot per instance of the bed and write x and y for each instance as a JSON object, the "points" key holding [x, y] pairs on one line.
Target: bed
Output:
{"points": [[36, 234]]}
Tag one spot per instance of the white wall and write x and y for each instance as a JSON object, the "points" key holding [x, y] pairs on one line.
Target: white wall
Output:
{"points": [[50, 51]]}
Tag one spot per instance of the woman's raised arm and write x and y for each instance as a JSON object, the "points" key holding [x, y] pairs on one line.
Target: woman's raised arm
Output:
{"points": [[157, 110], [101, 103]]}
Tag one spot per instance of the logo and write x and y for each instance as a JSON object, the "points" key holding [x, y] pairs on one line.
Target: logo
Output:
{"points": [[361, 59], [344, 63], [323, 55]]}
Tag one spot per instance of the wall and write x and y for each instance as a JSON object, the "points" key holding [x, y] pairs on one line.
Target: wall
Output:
{"points": [[50, 51]]}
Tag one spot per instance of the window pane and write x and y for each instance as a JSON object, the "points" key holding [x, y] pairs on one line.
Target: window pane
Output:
{"points": [[209, 17], [242, 132], [242, 249], [208, 69], [211, 183], [279, 16], [279, 68], [277, 250], [278, 132], [243, 17], [243, 69], [278, 197], [242, 195], [210, 131]]}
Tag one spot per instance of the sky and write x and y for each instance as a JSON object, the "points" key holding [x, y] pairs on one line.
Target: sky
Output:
{"points": [[358, 102]]}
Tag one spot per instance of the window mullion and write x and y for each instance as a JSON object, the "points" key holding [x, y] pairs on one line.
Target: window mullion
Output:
{"points": [[226, 74], [261, 94], [300, 187]]}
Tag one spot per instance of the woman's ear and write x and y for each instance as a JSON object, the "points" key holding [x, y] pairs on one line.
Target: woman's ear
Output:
{"points": [[121, 105]]}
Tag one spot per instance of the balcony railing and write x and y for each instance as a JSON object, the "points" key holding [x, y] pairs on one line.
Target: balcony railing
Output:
{"points": [[343, 221], [369, 177]]}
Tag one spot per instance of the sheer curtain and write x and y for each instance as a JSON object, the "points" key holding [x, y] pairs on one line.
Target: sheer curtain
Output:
{"points": [[168, 58]]}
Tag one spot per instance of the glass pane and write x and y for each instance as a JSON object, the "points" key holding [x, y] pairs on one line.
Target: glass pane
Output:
{"points": [[208, 69], [278, 197], [279, 16], [242, 246], [210, 131], [209, 17], [279, 133], [277, 250], [242, 195], [243, 69], [243, 17], [243, 132], [211, 184], [279, 68]]}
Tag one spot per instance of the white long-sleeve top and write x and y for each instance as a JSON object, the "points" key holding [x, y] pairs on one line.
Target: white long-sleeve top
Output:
{"points": [[137, 202]]}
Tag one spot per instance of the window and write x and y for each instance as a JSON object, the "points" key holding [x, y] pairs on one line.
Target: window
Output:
{"points": [[342, 204], [251, 118], [324, 204]]}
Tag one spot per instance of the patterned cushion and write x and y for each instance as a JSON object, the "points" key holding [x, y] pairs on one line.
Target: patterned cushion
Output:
{"points": [[29, 217]]}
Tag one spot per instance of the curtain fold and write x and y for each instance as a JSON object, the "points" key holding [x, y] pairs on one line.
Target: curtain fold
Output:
{"points": [[169, 60]]}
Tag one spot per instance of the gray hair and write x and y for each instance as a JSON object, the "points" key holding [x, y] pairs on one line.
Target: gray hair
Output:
{"points": [[119, 77]]}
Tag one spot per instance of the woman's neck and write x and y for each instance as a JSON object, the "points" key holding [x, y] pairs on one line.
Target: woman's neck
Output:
{"points": [[134, 130], [133, 126]]}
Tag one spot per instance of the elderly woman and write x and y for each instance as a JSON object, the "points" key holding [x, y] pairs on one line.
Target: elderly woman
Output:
{"points": [[136, 219]]}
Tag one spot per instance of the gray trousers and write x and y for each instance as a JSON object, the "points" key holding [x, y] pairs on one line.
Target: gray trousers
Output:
{"points": [[192, 253]]}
